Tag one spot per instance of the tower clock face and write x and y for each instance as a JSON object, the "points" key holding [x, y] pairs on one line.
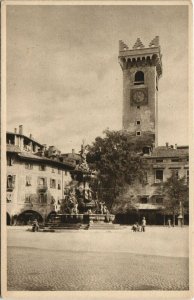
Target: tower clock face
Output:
{"points": [[139, 96]]}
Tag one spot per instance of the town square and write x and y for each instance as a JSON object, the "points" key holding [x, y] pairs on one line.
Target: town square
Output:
{"points": [[97, 148], [84, 260]]}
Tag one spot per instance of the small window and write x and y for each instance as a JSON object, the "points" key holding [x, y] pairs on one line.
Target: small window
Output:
{"points": [[159, 200], [187, 177], [27, 198], [158, 160], [42, 182], [175, 160], [53, 183], [28, 180], [28, 166], [138, 133], [59, 185], [138, 122], [59, 171], [10, 182], [146, 150], [144, 200], [175, 172], [139, 78], [159, 176], [42, 199], [42, 167], [138, 107], [9, 161], [53, 170]]}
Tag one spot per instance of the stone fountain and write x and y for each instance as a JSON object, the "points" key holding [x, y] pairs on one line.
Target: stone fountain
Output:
{"points": [[81, 204]]}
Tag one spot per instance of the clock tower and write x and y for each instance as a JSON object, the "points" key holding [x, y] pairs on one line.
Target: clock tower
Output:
{"points": [[142, 68]]}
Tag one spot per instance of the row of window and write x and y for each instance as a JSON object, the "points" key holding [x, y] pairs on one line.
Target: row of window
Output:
{"points": [[29, 166], [42, 199], [145, 200], [159, 160], [159, 175], [42, 182], [42, 168]]}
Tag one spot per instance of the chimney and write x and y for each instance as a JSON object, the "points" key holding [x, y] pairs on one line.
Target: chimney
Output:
{"points": [[171, 146], [30, 136], [73, 151], [21, 129], [166, 145], [15, 130], [175, 146]]}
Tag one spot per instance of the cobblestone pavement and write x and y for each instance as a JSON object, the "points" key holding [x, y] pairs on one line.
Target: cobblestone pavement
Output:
{"points": [[83, 260]]}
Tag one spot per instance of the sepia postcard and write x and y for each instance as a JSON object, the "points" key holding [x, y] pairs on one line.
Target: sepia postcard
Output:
{"points": [[96, 150]]}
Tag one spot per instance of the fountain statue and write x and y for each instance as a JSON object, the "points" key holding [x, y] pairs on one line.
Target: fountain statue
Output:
{"points": [[81, 203]]}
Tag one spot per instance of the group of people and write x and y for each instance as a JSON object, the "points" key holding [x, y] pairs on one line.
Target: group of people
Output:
{"points": [[137, 227]]}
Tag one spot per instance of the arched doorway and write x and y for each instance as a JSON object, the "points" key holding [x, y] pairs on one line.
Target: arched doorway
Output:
{"points": [[51, 216], [28, 216], [8, 219]]}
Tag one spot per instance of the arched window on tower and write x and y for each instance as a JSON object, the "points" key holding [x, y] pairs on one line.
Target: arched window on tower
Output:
{"points": [[139, 78]]}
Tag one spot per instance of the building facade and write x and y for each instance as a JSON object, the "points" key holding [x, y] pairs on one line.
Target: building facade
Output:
{"points": [[36, 179]]}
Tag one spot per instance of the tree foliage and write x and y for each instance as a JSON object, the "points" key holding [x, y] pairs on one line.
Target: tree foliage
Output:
{"points": [[175, 193], [118, 159]]}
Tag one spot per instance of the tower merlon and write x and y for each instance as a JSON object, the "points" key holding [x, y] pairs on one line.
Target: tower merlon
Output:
{"points": [[139, 55]]}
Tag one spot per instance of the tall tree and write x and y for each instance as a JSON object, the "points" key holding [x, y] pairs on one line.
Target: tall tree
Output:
{"points": [[175, 192], [118, 159]]}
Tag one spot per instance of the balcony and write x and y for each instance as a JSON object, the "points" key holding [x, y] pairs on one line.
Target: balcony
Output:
{"points": [[42, 188]]}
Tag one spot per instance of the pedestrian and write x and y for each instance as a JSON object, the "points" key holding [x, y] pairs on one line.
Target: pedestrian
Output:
{"points": [[35, 226], [134, 227], [143, 224], [169, 222]]}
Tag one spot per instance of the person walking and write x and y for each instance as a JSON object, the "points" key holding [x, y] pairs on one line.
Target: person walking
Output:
{"points": [[143, 224]]}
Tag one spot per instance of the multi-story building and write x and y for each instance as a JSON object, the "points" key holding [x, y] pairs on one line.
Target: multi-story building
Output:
{"points": [[36, 178], [142, 69]]}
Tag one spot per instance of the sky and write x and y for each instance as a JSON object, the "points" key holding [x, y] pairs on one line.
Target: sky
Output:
{"points": [[64, 82]]}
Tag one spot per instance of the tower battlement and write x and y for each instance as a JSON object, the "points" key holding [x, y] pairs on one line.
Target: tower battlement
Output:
{"points": [[140, 55]]}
